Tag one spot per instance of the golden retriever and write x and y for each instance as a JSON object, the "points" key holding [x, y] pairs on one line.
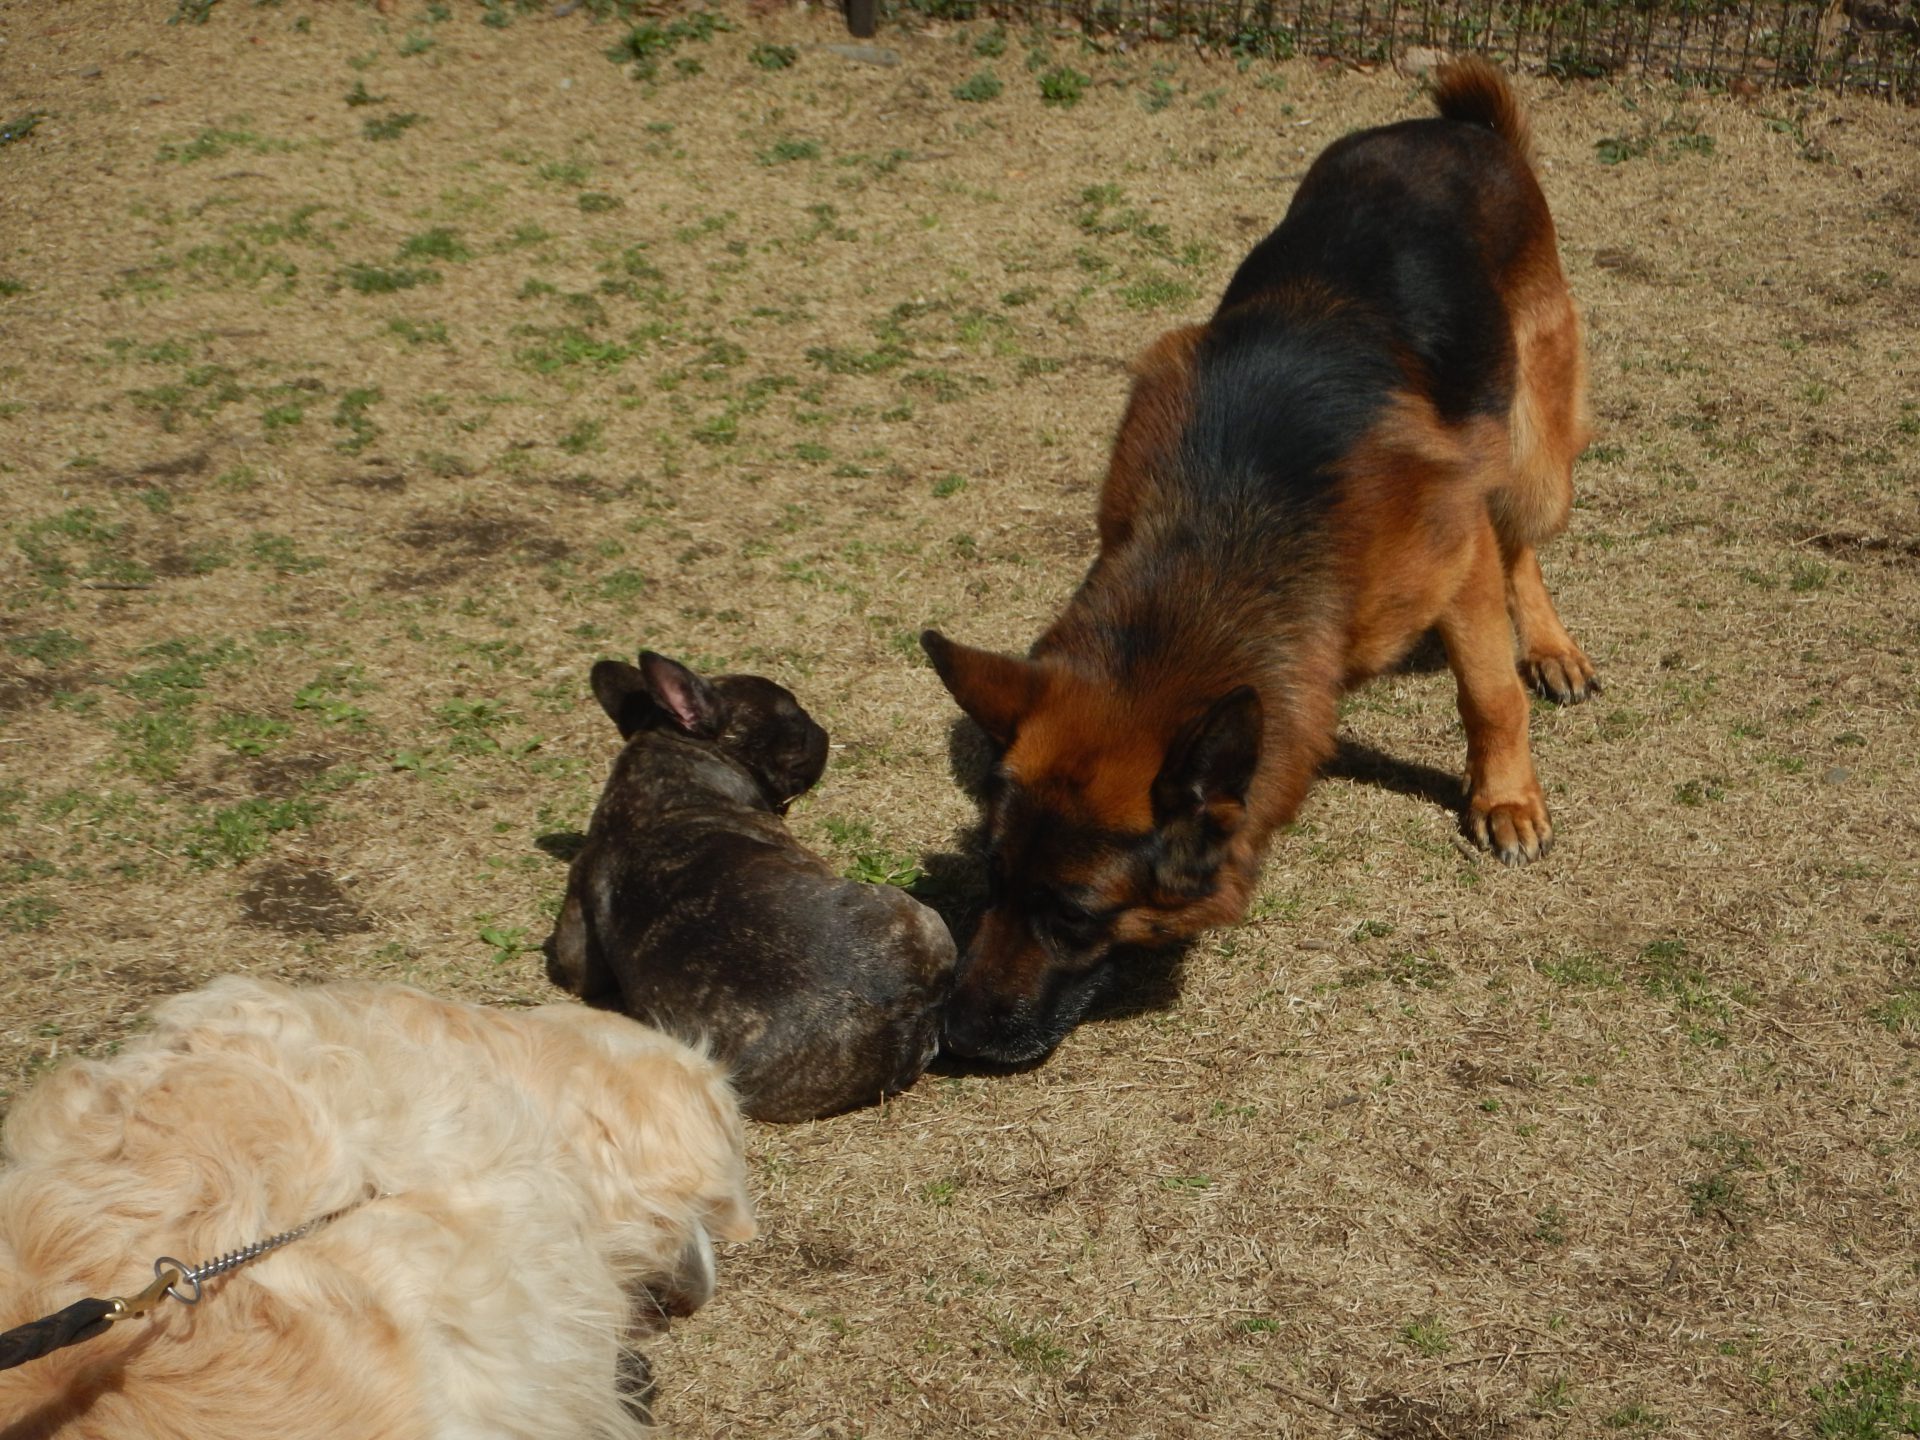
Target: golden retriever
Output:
{"points": [[534, 1171]]}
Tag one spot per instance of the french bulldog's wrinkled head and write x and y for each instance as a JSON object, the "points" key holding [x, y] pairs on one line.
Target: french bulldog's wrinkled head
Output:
{"points": [[749, 719]]}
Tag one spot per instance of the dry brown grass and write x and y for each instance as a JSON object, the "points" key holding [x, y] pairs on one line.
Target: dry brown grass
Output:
{"points": [[1624, 1142]]}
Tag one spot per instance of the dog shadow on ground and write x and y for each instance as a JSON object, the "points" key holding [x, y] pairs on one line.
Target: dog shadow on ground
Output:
{"points": [[1366, 765], [561, 845]]}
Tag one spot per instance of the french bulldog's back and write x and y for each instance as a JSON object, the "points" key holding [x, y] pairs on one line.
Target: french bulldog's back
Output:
{"points": [[693, 908]]}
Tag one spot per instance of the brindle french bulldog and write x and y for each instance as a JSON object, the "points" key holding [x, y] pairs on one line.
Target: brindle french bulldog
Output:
{"points": [[691, 907]]}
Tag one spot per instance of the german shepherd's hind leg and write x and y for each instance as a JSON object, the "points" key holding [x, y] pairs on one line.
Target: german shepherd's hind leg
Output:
{"points": [[1548, 427], [1506, 809]]}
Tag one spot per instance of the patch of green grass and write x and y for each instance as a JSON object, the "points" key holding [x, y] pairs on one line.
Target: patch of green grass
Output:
{"points": [[572, 172], [157, 741], [350, 414], [646, 45], [1034, 1349], [598, 202], [621, 586], [525, 235], [213, 142], [789, 149], [418, 332], [773, 57], [184, 667], [1581, 971], [551, 350], [837, 361], [1155, 292], [942, 385], [238, 262], [948, 485], [390, 127], [248, 734], [47, 544], [1404, 972], [1618, 149], [328, 696], [49, 647], [1809, 575], [25, 913], [442, 242], [583, 437], [978, 88], [1553, 1397], [239, 832], [279, 554], [20, 126], [1550, 1226], [867, 859], [383, 280], [721, 429], [11, 286], [1635, 1417], [1695, 793], [1873, 1399], [358, 96], [1668, 972], [1186, 1182], [1063, 85], [1103, 211], [1899, 1012], [285, 416], [1721, 1192], [1426, 1336], [508, 942]]}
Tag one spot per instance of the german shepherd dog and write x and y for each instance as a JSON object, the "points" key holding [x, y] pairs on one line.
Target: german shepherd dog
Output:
{"points": [[1367, 440]]}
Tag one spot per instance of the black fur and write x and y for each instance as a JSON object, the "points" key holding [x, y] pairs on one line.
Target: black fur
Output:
{"points": [[692, 908], [1378, 224]]}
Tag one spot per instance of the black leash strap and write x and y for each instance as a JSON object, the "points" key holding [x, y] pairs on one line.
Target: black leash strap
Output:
{"points": [[81, 1320], [85, 1319]]}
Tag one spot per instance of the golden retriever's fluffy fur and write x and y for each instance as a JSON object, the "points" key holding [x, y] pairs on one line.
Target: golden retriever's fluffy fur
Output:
{"points": [[536, 1170]]}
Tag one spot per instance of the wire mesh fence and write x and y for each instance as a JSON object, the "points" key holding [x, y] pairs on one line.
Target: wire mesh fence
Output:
{"points": [[1869, 46]]}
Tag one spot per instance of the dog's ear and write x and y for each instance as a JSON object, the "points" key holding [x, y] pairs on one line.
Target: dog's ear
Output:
{"points": [[1211, 762], [622, 693], [1199, 796], [689, 702], [995, 690]]}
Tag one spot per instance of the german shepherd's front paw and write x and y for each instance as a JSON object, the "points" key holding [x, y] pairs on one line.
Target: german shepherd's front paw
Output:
{"points": [[1516, 831], [1565, 678]]}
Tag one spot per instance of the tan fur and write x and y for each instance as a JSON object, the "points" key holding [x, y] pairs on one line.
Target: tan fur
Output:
{"points": [[1156, 414], [535, 1167], [1472, 89]]}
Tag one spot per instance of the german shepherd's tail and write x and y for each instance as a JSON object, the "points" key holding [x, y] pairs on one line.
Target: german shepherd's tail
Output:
{"points": [[1472, 89]]}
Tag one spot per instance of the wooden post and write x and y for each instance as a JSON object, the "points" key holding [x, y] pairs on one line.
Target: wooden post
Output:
{"points": [[862, 19]]}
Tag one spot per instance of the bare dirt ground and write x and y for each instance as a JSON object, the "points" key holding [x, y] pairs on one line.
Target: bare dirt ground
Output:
{"points": [[365, 376]]}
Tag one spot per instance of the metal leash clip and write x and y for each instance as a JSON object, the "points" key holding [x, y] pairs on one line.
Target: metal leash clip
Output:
{"points": [[166, 1274]]}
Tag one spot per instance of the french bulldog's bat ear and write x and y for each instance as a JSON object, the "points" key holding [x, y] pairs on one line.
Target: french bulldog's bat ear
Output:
{"points": [[689, 702], [622, 693]]}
